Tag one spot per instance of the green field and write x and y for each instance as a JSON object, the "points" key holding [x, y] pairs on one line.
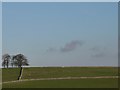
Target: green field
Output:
{"points": [[58, 72], [80, 83], [10, 74]]}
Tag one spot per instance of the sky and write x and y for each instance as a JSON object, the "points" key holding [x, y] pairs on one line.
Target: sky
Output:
{"points": [[62, 34], [0, 32], [59, 0], [0, 43]]}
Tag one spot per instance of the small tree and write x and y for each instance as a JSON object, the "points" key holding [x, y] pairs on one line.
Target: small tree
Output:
{"points": [[20, 60], [6, 59]]}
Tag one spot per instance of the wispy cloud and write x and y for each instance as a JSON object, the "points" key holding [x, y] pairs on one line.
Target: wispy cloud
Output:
{"points": [[71, 46], [95, 49], [68, 47], [98, 55], [98, 52], [51, 49]]}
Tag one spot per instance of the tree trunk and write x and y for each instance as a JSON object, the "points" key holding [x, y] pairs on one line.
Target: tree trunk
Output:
{"points": [[20, 73], [7, 65]]}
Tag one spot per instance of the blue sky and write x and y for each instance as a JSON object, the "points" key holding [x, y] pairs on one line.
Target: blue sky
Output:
{"points": [[62, 34], [60, 0], [0, 31]]}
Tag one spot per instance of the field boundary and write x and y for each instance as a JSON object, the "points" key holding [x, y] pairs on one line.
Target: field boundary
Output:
{"points": [[61, 78]]}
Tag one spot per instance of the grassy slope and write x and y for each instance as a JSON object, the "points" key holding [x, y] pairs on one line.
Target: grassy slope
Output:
{"points": [[10, 74], [79, 83], [48, 72]]}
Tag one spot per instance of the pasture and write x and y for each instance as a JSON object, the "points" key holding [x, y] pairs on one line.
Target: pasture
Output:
{"points": [[61, 77]]}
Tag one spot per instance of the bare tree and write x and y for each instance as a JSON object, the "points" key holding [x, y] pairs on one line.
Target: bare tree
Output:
{"points": [[20, 60], [6, 59]]}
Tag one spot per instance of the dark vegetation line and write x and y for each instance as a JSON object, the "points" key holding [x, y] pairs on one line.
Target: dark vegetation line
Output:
{"points": [[18, 60]]}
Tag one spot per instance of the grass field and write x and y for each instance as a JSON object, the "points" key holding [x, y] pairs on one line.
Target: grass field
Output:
{"points": [[79, 83], [58, 72], [10, 74]]}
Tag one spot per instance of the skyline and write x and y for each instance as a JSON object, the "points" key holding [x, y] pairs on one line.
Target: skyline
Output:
{"points": [[62, 34]]}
